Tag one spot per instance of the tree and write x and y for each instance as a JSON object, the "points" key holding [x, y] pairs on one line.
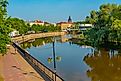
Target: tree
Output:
{"points": [[44, 28], [36, 28], [116, 28], [107, 24], [4, 27], [19, 25]]}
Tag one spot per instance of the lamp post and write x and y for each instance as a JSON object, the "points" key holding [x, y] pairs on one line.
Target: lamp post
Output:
{"points": [[54, 58], [23, 37], [23, 40]]}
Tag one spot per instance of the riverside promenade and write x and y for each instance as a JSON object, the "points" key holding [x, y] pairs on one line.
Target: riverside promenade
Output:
{"points": [[14, 68]]}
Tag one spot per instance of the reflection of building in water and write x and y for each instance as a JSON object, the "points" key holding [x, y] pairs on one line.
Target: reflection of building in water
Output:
{"points": [[84, 46], [104, 67], [37, 42], [43, 42], [63, 38]]}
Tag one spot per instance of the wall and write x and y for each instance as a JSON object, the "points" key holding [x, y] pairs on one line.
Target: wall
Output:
{"points": [[21, 39]]}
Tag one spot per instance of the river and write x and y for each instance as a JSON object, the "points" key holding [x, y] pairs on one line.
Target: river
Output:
{"points": [[76, 62]]}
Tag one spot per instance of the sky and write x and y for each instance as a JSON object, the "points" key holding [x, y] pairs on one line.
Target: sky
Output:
{"points": [[54, 10]]}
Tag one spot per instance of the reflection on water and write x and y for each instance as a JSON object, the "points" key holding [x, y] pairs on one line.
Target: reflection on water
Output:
{"points": [[42, 41], [36, 42], [105, 66], [77, 62]]}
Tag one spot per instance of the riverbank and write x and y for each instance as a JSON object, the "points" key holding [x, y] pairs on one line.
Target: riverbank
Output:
{"points": [[13, 67], [24, 38]]}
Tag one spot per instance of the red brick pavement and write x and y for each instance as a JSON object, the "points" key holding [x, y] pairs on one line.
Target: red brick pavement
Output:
{"points": [[14, 68]]}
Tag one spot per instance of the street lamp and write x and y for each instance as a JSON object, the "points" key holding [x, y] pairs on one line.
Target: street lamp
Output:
{"points": [[54, 58], [58, 58], [23, 37], [23, 40]]}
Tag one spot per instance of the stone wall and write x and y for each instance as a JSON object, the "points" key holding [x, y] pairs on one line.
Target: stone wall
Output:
{"points": [[24, 38]]}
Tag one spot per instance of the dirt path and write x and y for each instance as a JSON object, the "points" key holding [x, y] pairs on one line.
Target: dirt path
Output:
{"points": [[14, 68]]}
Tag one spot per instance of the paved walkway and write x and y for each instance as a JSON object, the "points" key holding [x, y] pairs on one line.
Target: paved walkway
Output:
{"points": [[14, 68]]}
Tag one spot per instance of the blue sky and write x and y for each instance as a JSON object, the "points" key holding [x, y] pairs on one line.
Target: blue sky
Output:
{"points": [[54, 10]]}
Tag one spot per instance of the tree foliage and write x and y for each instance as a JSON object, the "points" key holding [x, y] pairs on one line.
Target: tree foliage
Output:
{"points": [[4, 27], [44, 28], [19, 25], [107, 24]]}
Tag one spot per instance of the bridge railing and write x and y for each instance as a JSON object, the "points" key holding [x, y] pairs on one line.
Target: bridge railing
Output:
{"points": [[40, 66]]}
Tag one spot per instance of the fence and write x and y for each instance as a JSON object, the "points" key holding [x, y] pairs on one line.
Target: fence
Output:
{"points": [[40, 66]]}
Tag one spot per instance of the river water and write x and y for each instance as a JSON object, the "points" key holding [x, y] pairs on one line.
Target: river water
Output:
{"points": [[77, 62]]}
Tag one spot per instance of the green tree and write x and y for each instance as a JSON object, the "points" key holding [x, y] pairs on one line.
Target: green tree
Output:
{"points": [[44, 28], [19, 25], [36, 28], [4, 27], [116, 30], [107, 24]]}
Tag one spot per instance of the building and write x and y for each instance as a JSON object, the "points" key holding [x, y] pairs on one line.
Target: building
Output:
{"points": [[14, 33], [84, 27], [69, 19], [65, 25], [47, 24], [37, 22]]}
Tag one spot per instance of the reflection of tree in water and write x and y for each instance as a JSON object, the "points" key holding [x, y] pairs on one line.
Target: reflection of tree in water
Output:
{"points": [[37, 42], [104, 67]]}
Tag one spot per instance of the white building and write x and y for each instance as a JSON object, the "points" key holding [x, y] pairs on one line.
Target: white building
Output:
{"points": [[37, 22], [85, 26], [14, 33]]}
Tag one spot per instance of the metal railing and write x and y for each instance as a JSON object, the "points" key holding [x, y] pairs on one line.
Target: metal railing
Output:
{"points": [[40, 66]]}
